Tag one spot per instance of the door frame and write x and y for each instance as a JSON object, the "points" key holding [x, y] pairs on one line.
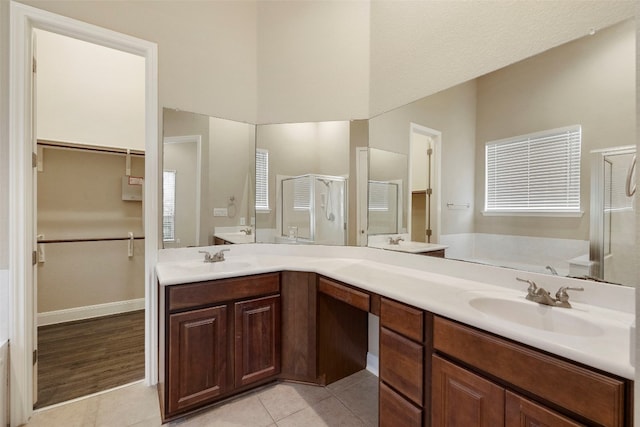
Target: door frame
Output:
{"points": [[191, 139], [436, 136], [23, 19]]}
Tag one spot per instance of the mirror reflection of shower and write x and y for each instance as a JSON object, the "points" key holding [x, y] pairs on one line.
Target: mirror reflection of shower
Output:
{"points": [[612, 235], [313, 210], [326, 203]]}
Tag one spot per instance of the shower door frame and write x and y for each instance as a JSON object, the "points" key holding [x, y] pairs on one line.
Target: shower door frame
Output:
{"points": [[596, 221]]}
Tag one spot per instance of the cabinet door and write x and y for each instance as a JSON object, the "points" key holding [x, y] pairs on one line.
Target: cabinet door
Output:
{"points": [[257, 340], [521, 412], [197, 357], [462, 399]]}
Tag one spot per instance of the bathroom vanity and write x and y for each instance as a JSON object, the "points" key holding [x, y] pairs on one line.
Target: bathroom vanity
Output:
{"points": [[265, 317]]}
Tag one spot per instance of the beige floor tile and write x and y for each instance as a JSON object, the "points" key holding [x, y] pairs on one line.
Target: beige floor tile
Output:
{"points": [[284, 399], [128, 406], [246, 411], [287, 403], [81, 413], [362, 399], [349, 381], [326, 413]]}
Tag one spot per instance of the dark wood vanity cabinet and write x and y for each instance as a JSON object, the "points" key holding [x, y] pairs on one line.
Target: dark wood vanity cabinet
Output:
{"points": [[197, 369], [481, 379], [218, 338], [257, 340], [402, 364]]}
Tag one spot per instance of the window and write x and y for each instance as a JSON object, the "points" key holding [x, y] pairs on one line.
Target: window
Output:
{"points": [[379, 196], [262, 180], [168, 206], [535, 173], [302, 193]]}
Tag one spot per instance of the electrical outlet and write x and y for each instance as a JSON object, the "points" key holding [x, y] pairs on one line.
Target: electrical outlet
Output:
{"points": [[220, 211], [243, 221]]}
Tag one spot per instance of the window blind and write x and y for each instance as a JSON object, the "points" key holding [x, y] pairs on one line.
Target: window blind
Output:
{"points": [[262, 179], [379, 195], [302, 193], [534, 173], [168, 206]]}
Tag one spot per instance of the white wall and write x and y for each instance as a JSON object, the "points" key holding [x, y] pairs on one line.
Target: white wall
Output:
{"points": [[89, 94]]}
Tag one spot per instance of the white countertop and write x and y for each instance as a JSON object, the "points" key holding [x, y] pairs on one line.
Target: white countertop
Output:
{"points": [[441, 286], [410, 247]]}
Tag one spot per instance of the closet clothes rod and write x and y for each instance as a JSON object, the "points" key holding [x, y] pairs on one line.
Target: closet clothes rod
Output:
{"points": [[103, 239], [94, 148]]}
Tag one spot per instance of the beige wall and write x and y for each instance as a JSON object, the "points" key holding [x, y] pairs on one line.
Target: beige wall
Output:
{"points": [[182, 123], [207, 49], [590, 82], [419, 48], [452, 112], [232, 172], [182, 157], [313, 60], [72, 75], [80, 197]]}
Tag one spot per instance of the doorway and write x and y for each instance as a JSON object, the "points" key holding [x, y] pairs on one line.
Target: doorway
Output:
{"points": [[90, 169], [22, 234], [424, 183]]}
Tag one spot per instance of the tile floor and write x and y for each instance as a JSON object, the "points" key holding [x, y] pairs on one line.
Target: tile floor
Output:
{"points": [[352, 401]]}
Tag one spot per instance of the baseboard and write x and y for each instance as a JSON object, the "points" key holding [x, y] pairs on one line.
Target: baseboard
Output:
{"points": [[372, 363], [90, 311]]}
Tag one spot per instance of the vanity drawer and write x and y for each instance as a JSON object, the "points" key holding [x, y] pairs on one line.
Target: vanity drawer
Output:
{"points": [[396, 411], [595, 396], [406, 320], [401, 364], [344, 293], [214, 291]]}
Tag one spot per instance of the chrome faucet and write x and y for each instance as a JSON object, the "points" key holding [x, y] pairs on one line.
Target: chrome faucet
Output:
{"points": [[248, 231], [542, 296], [215, 257], [396, 240], [552, 270]]}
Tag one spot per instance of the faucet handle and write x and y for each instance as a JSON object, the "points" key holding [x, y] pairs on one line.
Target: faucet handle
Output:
{"points": [[563, 296], [532, 285], [207, 255]]}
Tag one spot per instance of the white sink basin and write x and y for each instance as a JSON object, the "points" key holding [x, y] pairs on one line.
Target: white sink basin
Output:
{"points": [[533, 315]]}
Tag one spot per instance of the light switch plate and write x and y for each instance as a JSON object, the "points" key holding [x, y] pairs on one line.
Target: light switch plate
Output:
{"points": [[219, 211]]}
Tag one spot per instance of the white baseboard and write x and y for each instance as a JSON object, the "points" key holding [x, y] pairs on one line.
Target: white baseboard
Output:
{"points": [[372, 363], [90, 311]]}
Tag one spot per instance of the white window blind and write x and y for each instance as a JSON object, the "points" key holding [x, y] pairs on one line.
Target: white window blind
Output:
{"points": [[168, 206], [262, 179], [302, 193], [379, 195], [534, 173]]}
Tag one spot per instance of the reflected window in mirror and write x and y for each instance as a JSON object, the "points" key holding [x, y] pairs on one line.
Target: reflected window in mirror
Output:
{"points": [[168, 205], [538, 173], [262, 180]]}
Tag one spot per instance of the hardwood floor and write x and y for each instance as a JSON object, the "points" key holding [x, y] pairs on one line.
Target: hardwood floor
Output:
{"points": [[80, 358]]}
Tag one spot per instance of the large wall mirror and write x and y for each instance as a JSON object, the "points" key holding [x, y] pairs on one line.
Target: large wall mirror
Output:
{"points": [[590, 83], [208, 180], [303, 183], [302, 176]]}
